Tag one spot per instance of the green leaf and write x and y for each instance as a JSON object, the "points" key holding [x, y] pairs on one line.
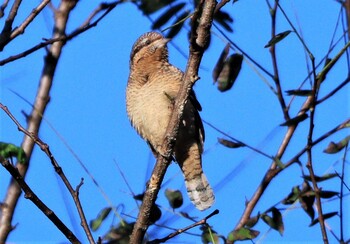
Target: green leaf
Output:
{"points": [[174, 197], [292, 197], [302, 93], [276, 221], [279, 37], [96, 223], [242, 234], [230, 144], [220, 63], [9, 150], [325, 216], [165, 17], [230, 71], [296, 120], [337, 147], [320, 178]]}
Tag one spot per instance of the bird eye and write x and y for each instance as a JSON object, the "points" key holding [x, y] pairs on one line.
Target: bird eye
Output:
{"points": [[147, 41]]}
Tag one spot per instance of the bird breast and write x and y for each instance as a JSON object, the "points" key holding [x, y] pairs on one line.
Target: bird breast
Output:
{"points": [[150, 105]]}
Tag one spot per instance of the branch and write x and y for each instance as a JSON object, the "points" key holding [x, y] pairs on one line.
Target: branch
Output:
{"points": [[29, 194], [8, 37], [276, 78], [35, 118], [45, 148], [64, 38], [6, 31], [199, 36], [179, 231]]}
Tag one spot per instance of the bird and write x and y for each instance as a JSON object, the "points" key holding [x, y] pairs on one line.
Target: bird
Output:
{"points": [[152, 87]]}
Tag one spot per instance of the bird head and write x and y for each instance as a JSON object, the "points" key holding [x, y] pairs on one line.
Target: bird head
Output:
{"points": [[148, 48]]}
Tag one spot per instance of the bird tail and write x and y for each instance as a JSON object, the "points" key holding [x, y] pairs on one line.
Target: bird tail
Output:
{"points": [[198, 188], [200, 192]]}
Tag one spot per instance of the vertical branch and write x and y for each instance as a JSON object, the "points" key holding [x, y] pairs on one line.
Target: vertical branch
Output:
{"points": [[346, 5], [6, 31], [202, 20], [309, 164], [276, 78], [42, 99]]}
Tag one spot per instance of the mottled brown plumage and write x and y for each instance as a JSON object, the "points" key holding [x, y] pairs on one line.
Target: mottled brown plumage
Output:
{"points": [[152, 87]]}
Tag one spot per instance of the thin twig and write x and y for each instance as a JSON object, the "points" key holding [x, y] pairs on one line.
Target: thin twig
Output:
{"points": [[29, 194], [179, 231], [45, 148], [335, 90], [20, 29], [220, 5], [84, 27], [279, 91], [35, 118], [246, 55], [342, 178], [6, 31], [238, 141]]}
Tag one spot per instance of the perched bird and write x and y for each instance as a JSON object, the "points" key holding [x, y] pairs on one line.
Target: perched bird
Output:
{"points": [[152, 88]]}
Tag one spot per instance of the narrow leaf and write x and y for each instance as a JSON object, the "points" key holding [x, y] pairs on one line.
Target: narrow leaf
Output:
{"points": [[242, 234], [320, 178], [292, 197], [151, 6], [302, 93], [230, 144], [96, 223], [296, 120], [230, 71], [279, 37], [220, 63], [307, 199], [325, 216], [224, 19], [276, 221], [165, 17], [328, 194], [336, 147]]}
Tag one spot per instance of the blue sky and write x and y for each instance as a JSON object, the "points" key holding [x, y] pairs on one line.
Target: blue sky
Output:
{"points": [[87, 108]]}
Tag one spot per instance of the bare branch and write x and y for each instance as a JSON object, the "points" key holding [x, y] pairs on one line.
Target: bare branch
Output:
{"points": [[199, 36], [35, 118], [4, 40], [64, 38], [29, 194], [179, 231], [279, 91], [45, 148]]}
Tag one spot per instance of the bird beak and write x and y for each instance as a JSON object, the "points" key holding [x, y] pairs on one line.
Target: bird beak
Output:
{"points": [[162, 42]]}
